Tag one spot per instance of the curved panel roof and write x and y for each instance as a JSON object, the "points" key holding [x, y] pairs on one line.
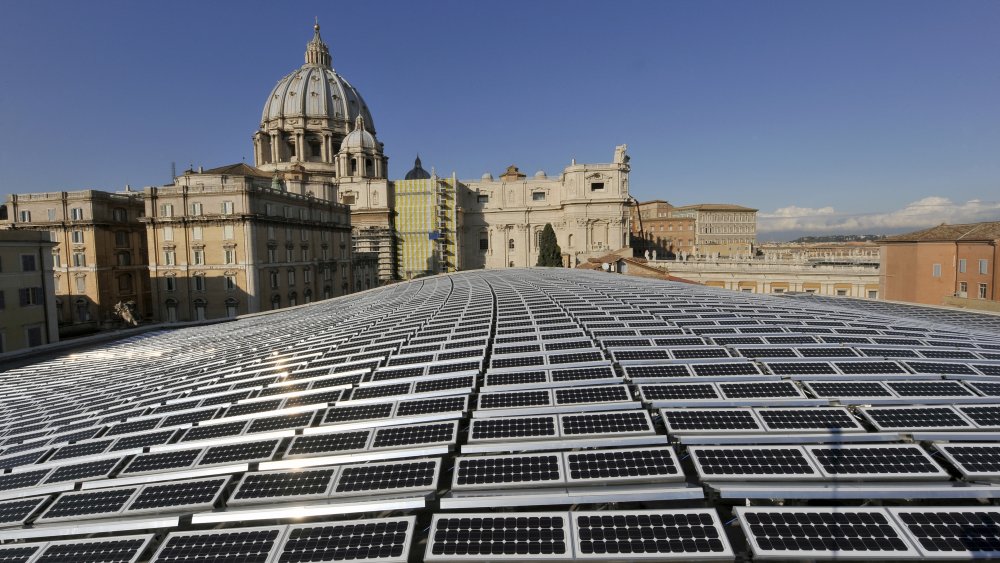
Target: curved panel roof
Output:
{"points": [[540, 414]]}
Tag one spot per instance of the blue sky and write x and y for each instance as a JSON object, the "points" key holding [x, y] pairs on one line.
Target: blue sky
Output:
{"points": [[827, 116]]}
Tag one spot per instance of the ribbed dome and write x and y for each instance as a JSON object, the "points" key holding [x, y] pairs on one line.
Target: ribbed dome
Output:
{"points": [[316, 91], [359, 138], [417, 172]]}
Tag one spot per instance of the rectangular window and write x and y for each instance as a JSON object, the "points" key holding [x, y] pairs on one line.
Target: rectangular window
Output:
{"points": [[121, 239], [288, 234], [196, 209], [291, 277], [483, 198], [963, 287], [537, 196], [289, 255], [167, 210], [271, 259], [30, 296], [56, 259], [961, 265], [872, 294], [81, 284], [304, 234], [484, 242], [982, 291], [125, 283], [984, 266], [227, 208], [229, 256], [199, 257], [76, 214], [305, 254], [77, 237], [79, 259], [326, 253], [230, 282], [269, 209], [842, 292], [307, 276], [199, 283], [197, 233], [936, 271], [778, 290], [348, 199], [170, 283], [270, 233], [119, 214], [28, 263], [34, 336], [168, 233], [327, 273], [169, 258], [274, 280], [3, 303], [597, 186], [227, 232], [51, 214], [24, 216]]}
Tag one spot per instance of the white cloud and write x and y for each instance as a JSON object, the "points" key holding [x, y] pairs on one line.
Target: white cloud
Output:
{"points": [[925, 212]]}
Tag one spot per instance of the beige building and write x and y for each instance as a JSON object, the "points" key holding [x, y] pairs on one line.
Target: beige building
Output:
{"points": [[100, 254], [233, 240], [656, 230], [944, 265], [822, 252], [27, 299], [500, 221], [721, 229], [317, 135]]}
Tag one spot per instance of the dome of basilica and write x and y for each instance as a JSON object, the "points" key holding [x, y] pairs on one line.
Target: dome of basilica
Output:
{"points": [[315, 91], [359, 138]]}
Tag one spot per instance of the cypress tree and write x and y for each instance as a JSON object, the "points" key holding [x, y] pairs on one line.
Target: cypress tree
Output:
{"points": [[549, 253]]}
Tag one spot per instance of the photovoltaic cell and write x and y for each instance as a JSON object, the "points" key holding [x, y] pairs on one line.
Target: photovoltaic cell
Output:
{"points": [[246, 545], [385, 539], [683, 534], [952, 532], [500, 536]]}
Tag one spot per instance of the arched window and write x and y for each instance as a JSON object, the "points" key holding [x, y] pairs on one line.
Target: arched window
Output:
{"points": [[59, 310], [327, 292], [293, 299], [275, 302], [82, 310], [569, 241], [510, 244], [307, 295], [511, 264]]}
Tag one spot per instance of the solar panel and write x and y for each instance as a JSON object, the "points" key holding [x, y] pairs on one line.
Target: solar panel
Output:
{"points": [[179, 495], [508, 471], [637, 464], [855, 389], [15, 512], [125, 549], [683, 534], [508, 428], [320, 444], [893, 461], [283, 485], [382, 539], [745, 463], [760, 389], [240, 545], [587, 395], [415, 435], [908, 418], [929, 389], [824, 419], [678, 392], [976, 460], [383, 478], [19, 553], [88, 504], [152, 463], [823, 533], [710, 420], [952, 532], [615, 422], [83, 471], [513, 535]]}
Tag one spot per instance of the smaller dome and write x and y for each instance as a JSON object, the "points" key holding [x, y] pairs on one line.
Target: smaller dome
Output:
{"points": [[417, 172], [540, 174], [359, 139], [487, 177]]}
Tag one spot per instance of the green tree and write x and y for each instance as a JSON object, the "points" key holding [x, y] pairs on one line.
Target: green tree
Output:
{"points": [[549, 253]]}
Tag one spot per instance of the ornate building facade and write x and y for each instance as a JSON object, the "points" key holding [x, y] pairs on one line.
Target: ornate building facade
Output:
{"points": [[721, 229], [317, 135], [426, 223], [100, 254]]}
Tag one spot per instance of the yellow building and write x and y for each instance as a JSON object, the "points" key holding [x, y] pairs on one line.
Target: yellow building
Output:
{"points": [[231, 240], [100, 254], [721, 229], [426, 226], [27, 299]]}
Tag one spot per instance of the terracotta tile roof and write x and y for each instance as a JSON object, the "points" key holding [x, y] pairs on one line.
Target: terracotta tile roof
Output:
{"points": [[716, 207], [973, 231]]}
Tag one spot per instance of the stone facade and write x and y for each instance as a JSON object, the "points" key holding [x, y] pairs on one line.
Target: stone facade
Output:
{"points": [[231, 241], [654, 229], [760, 276], [100, 257], [27, 297], [721, 229], [500, 221]]}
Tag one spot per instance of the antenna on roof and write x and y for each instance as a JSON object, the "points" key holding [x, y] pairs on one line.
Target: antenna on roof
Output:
{"points": [[173, 171]]}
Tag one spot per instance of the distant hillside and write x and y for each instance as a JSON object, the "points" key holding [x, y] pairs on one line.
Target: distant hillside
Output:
{"points": [[839, 238]]}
